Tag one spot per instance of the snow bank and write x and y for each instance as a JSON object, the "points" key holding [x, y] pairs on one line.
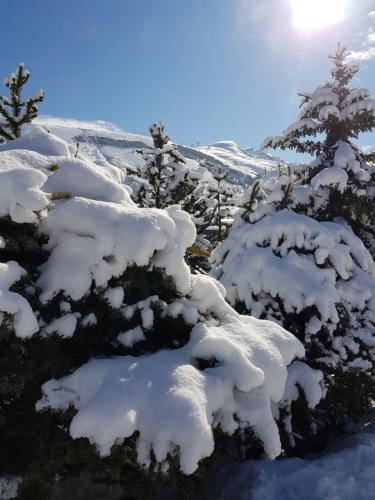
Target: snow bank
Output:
{"points": [[347, 474]]}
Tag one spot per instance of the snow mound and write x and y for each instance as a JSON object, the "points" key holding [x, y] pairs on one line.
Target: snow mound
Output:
{"points": [[84, 178], [73, 175], [347, 474], [20, 190], [39, 140]]}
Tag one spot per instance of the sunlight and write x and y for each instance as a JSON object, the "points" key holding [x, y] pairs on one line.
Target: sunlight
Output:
{"points": [[310, 15]]}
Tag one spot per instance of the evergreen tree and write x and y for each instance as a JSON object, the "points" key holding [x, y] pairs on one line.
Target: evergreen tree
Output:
{"points": [[14, 111], [292, 257], [169, 180], [340, 182], [211, 206]]}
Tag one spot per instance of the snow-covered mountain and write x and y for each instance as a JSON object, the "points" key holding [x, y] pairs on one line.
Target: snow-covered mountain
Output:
{"points": [[245, 162], [104, 141]]}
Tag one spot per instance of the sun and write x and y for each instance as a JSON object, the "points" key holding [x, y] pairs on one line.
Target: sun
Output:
{"points": [[310, 15]]}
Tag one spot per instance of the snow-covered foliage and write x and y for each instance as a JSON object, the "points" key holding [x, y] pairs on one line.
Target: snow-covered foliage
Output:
{"points": [[172, 365], [289, 264], [114, 396]]}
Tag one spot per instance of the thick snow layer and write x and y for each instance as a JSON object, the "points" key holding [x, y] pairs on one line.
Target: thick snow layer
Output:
{"points": [[39, 140], [331, 176], [79, 177], [131, 337], [358, 107], [92, 240], [113, 397], [115, 296], [20, 189], [64, 326], [311, 381], [305, 124], [84, 178], [346, 474]]}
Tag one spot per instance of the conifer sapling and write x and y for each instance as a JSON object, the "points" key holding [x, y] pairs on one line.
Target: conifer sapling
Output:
{"points": [[14, 111]]}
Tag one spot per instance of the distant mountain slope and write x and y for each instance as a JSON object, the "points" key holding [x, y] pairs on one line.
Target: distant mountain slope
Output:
{"points": [[103, 141], [249, 163]]}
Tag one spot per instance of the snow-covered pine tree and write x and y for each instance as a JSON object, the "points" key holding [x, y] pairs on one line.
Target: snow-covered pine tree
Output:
{"points": [[15, 111], [110, 349], [292, 257], [169, 180], [211, 205], [340, 182]]}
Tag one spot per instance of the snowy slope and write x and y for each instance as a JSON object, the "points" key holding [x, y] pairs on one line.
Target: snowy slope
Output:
{"points": [[345, 474], [247, 162], [103, 141]]}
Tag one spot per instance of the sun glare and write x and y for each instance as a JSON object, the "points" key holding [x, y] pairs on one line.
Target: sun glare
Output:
{"points": [[310, 15]]}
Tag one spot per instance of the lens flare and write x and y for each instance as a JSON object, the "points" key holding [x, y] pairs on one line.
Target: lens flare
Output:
{"points": [[311, 15]]}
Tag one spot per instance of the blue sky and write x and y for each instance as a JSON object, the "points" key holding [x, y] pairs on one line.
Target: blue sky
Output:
{"points": [[211, 69]]}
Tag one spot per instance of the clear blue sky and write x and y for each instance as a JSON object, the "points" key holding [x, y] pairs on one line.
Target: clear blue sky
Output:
{"points": [[211, 69]]}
